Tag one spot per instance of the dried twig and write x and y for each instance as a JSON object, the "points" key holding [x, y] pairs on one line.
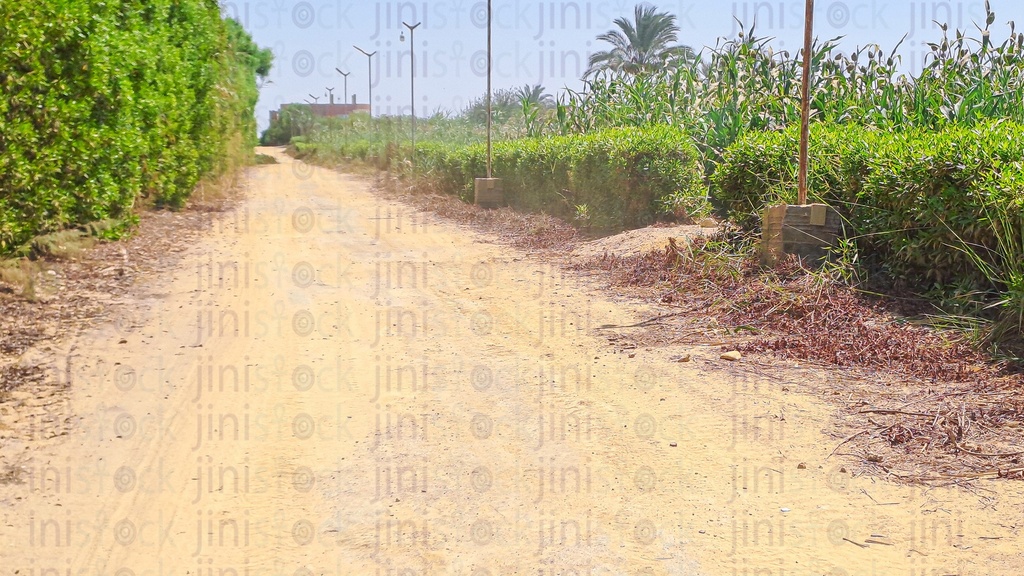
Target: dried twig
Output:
{"points": [[984, 455], [881, 411], [845, 441], [647, 322]]}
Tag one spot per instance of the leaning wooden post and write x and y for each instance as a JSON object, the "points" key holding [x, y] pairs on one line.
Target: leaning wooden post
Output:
{"points": [[487, 191], [804, 230], [805, 101]]}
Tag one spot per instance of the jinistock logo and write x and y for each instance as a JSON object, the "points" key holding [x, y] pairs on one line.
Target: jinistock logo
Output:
{"points": [[927, 16], [332, 15], [789, 15], [851, 15], [535, 18], [539, 62]]}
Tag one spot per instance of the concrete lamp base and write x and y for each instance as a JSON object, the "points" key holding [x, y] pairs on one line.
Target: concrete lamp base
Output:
{"points": [[488, 192], [808, 231]]}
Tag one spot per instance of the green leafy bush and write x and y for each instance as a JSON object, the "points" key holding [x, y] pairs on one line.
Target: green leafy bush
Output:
{"points": [[760, 170], [920, 202], [622, 177], [104, 102]]}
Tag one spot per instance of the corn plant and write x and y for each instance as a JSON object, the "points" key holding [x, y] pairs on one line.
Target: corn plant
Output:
{"points": [[743, 85]]}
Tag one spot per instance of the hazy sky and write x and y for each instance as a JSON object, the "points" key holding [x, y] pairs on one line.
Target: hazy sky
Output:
{"points": [[540, 42]]}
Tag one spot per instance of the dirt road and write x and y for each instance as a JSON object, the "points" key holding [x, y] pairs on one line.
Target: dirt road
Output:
{"points": [[329, 383]]}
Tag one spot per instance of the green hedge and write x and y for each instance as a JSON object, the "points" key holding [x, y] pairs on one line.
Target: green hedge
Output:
{"points": [[760, 170], [106, 101], [924, 203], [617, 178]]}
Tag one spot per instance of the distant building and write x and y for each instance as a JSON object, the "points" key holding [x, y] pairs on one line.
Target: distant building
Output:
{"points": [[328, 110]]}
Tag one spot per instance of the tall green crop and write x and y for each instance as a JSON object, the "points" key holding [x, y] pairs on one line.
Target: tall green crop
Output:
{"points": [[744, 85]]}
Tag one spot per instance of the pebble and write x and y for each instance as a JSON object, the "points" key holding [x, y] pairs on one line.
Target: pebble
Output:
{"points": [[732, 356]]}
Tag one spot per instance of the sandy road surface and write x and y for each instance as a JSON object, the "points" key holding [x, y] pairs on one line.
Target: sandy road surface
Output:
{"points": [[332, 384]]}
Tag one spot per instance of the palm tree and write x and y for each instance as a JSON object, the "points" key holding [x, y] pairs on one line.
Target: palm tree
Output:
{"points": [[534, 95], [536, 105], [641, 46]]}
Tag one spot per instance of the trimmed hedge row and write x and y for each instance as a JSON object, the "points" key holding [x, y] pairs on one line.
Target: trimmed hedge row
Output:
{"points": [[104, 101], [925, 203], [616, 178]]}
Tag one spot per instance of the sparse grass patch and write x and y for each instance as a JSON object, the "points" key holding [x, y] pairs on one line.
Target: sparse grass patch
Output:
{"points": [[16, 275], [66, 244]]}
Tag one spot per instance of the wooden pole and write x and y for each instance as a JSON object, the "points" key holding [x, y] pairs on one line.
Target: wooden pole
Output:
{"points": [[805, 101]]}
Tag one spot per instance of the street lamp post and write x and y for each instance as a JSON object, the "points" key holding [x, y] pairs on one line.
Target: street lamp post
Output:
{"points": [[369, 77], [412, 79], [345, 74]]}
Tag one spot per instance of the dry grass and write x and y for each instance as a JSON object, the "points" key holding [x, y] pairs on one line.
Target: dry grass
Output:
{"points": [[66, 244], [922, 405], [794, 313], [915, 404], [16, 276]]}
